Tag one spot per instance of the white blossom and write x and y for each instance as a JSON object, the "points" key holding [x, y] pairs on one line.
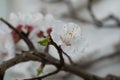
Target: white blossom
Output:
{"points": [[69, 37], [27, 23], [36, 24]]}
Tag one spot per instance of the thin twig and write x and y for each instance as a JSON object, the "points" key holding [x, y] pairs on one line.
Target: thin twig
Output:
{"points": [[69, 58], [44, 76], [59, 51]]}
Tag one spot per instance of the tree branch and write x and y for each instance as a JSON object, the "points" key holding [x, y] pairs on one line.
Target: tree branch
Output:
{"points": [[41, 57]]}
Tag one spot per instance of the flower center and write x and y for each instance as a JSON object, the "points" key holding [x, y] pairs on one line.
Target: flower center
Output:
{"points": [[65, 41]]}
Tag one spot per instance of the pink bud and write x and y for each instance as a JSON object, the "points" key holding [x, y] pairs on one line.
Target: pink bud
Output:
{"points": [[40, 34], [19, 27], [16, 38], [49, 30], [29, 28]]}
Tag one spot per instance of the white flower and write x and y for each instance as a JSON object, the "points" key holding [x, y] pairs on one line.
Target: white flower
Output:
{"points": [[37, 24], [44, 27], [46, 23], [26, 23], [69, 37], [7, 49]]}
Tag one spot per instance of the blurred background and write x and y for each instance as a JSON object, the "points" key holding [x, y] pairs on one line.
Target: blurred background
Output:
{"points": [[100, 23]]}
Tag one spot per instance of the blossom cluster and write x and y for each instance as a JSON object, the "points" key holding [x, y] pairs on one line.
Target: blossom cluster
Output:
{"points": [[37, 26]]}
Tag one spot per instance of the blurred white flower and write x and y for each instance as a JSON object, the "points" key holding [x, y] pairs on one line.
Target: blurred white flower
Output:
{"points": [[35, 23], [26, 23], [43, 29], [25, 20], [43, 26], [7, 48]]}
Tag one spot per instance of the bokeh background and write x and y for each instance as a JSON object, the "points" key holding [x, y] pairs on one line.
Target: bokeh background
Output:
{"points": [[102, 52]]}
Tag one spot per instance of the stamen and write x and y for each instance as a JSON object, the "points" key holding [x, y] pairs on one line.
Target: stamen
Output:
{"points": [[66, 42]]}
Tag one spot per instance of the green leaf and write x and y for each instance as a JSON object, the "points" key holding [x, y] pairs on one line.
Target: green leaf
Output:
{"points": [[44, 42]]}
